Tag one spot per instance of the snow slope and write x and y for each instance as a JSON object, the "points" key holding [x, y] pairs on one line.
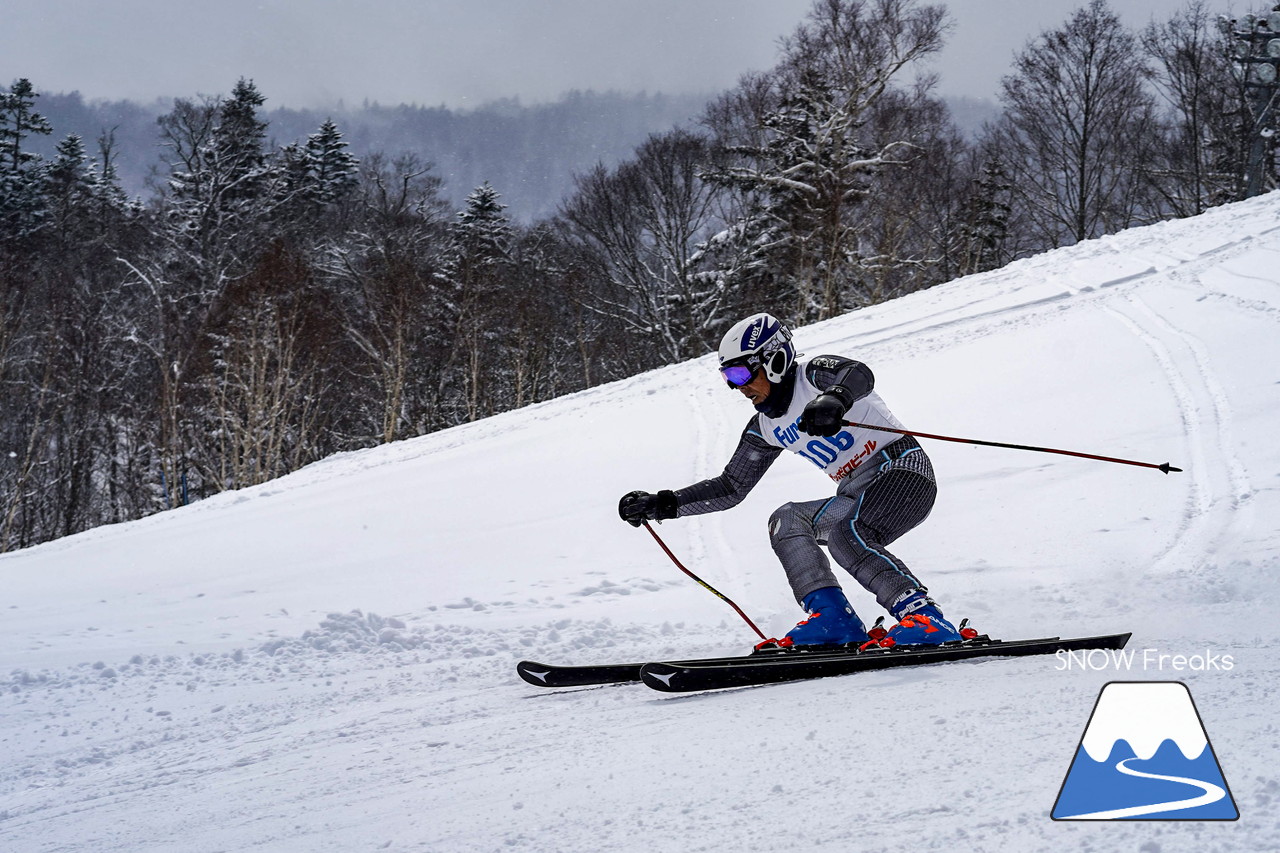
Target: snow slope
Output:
{"points": [[326, 662]]}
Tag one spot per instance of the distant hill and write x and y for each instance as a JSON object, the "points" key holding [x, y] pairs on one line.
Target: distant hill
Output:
{"points": [[528, 153], [970, 114]]}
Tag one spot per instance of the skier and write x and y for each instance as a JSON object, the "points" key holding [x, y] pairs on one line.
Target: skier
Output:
{"points": [[884, 486]]}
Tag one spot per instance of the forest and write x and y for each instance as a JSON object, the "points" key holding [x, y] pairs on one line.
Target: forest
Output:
{"points": [[264, 305], [530, 152]]}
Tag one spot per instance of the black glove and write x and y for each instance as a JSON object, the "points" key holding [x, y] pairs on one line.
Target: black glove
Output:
{"points": [[637, 507], [823, 415]]}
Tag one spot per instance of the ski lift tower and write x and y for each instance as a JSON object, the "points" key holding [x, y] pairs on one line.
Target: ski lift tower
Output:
{"points": [[1255, 54]]}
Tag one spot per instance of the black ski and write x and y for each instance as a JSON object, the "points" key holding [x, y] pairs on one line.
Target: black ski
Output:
{"points": [[550, 675], [682, 677]]}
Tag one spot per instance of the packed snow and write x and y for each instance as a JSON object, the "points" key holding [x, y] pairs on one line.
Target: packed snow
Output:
{"points": [[327, 662]]}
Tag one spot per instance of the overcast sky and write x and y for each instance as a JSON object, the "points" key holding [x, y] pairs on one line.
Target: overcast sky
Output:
{"points": [[460, 53]]}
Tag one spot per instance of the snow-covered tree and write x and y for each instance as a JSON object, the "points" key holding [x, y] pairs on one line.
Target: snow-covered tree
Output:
{"points": [[263, 394], [985, 227], [21, 204], [334, 170], [19, 120], [398, 314], [316, 177], [63, 389], [476, 274], [804, 157], [71, 186], [217, 217], [236, 154], [220, 179], [645, 221], [482, 230]]}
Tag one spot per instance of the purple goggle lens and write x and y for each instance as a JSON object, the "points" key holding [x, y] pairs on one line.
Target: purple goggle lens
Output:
{"points": [[737, 375]]}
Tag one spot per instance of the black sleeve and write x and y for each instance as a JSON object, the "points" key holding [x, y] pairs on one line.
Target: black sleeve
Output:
{"points": [[747, 465], [848, 379]]}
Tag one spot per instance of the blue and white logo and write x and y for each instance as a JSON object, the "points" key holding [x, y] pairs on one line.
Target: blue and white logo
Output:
{"points": [[1145, 756], [756, 333]]}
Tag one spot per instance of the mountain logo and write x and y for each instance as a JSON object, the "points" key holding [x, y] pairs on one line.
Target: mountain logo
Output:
{"points": [[1145, 755]]}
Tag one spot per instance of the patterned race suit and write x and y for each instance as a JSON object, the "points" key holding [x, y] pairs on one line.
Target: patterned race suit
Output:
{"points": [[884, 484]]}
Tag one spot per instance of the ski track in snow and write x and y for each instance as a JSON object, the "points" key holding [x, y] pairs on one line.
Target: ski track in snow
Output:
{"points": [[1217, 506], [1197, 529], [1222, 504], [1220, 500]]}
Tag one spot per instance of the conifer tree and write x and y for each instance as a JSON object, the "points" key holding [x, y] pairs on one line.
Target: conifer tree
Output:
{"points": [[21, 203], [482, 231], [70, 186], [220, 178], [316, 177], [476, 270], [217, 214], [334, 170], [236, 151], [985, 228], [19, 120]]}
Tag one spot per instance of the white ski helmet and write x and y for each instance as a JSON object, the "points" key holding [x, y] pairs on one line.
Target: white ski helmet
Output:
{"points": [[760, 341]]}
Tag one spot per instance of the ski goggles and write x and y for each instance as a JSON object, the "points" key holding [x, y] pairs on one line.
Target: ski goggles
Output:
{"points": [[738, 375]]}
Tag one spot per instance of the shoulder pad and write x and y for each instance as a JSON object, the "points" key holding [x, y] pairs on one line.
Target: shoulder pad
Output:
{"points": [[828, 362]]}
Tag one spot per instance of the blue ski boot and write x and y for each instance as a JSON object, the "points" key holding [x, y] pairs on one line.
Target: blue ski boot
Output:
{"points": [[920, 623], [831, 621]]}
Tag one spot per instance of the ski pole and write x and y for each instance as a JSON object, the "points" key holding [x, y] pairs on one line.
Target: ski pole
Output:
{"points": [[1165, 467], [708, 587]]}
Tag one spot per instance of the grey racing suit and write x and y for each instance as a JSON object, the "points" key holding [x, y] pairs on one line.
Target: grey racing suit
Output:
{"points": [[884, 484]]}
